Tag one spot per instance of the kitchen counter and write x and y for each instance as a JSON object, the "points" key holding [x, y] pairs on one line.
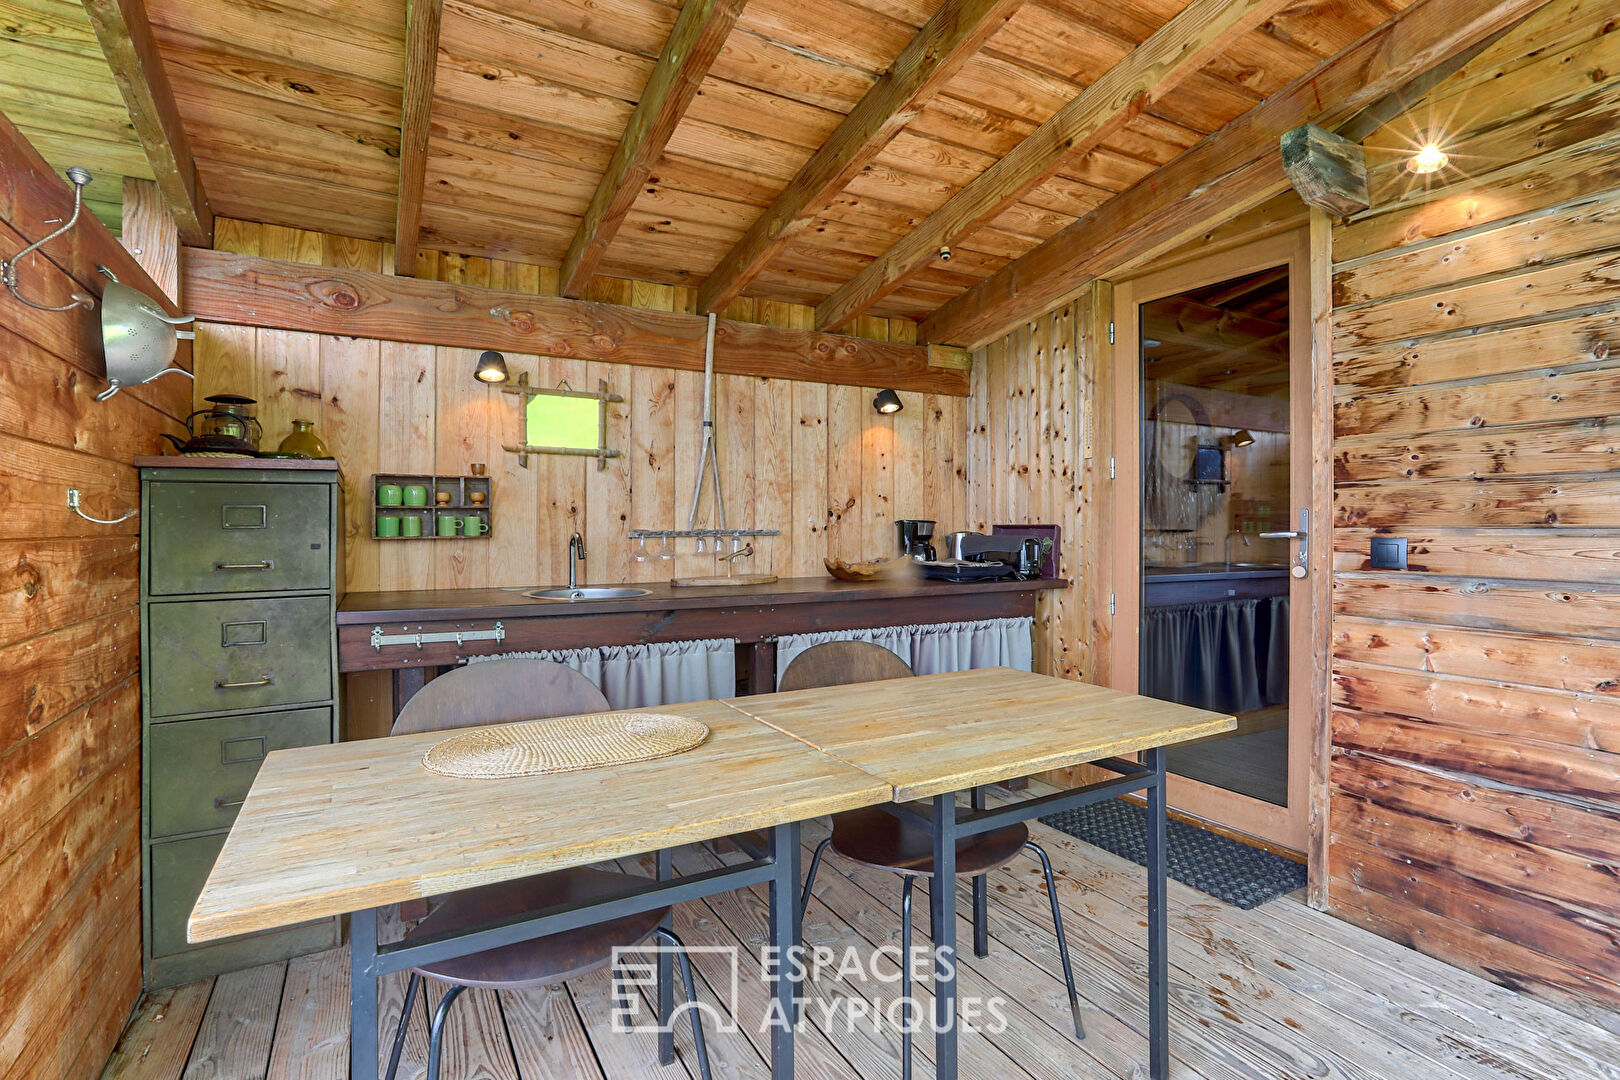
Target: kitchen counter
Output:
{"points": [[1212, 571], [411, 605], [457, 623]]}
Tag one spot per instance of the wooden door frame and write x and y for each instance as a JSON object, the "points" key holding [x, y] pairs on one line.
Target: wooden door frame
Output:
{"points": [[1301, 825]]}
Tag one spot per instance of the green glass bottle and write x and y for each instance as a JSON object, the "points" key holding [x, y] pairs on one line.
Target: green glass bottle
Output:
{"points": [[302, 442]]}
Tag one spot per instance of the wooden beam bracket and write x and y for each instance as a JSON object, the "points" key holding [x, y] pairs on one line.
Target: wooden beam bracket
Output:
{"points": [[1328, 170]]}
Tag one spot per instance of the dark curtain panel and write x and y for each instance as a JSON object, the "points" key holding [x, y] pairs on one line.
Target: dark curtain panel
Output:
{"points": [[1223, 655]]}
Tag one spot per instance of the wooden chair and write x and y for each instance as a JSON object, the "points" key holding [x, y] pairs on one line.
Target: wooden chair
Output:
{"points": [[876, 838], [501, 691]]}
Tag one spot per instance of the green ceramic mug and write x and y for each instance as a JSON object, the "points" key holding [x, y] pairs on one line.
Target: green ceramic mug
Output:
{"points": [[387, 525], [449, 524], [411, 526], [415, 495], [475, 525], [389, 495]]}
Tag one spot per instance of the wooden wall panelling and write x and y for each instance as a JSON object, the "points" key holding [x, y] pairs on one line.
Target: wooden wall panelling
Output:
{"points": [[812, 460], [1475, 731], [69, 717]]}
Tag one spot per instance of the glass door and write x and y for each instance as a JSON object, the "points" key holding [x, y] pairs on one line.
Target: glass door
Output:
{"points": [[1214, 601]]}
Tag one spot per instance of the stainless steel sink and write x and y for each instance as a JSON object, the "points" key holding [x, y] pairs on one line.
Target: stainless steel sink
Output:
{"points": [[585, 592]]}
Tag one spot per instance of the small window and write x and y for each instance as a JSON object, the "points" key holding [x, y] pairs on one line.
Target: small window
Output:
{"points": [[564, 422]]}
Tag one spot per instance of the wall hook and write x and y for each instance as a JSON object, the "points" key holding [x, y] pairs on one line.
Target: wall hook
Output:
{"points": [[8, 267], [75, 496]]}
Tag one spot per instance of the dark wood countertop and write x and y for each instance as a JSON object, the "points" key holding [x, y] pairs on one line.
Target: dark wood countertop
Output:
{"points": [[441, 604]]}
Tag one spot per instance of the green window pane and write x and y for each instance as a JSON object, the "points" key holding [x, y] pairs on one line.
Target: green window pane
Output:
{"points": [[567, 422]]}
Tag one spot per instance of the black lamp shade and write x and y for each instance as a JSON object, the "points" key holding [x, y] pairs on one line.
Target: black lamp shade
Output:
{"points": [[491, 367], [887, 401]]}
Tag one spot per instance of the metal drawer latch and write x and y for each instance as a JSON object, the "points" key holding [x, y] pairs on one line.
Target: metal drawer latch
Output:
{"points": [[460, 637]]}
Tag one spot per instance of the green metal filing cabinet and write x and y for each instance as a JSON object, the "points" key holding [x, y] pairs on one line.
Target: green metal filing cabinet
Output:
{"points": [[240, 568]]}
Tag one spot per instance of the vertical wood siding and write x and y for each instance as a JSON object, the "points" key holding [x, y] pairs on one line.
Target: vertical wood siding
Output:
{"points": [[815, 461], [69, 647], [1476, 334]]}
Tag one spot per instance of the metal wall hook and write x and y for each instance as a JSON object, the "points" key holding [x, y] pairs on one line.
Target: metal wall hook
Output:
{"points": [[75, 496], [8, 267]]}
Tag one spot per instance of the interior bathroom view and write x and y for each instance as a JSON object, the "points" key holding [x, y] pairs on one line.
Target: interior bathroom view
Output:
{"points": [[1217, 539]]}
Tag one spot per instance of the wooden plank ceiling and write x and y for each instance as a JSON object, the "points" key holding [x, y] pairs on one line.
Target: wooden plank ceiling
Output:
{"points": [[293, 110]]}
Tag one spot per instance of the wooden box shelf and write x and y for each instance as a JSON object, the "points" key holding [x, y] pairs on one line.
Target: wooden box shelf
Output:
{"points": [[460, 489]]}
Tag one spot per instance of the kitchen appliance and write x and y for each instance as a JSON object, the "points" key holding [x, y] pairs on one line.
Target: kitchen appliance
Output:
{"points": [[914, 535], [137, 338], [228, 429], [977, 547]]}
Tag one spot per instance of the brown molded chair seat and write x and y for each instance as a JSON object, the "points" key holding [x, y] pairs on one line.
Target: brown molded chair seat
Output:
{"points": [[541, 961], [500, 692], [876, 838], [879, 839]]}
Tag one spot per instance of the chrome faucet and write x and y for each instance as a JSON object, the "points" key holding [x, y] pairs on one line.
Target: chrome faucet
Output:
{"points": [[1228, 545], [576, 555]]}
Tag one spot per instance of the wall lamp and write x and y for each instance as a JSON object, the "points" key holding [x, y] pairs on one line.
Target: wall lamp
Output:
{"points": [[1241, 437], [887, 401], [491, 367]]}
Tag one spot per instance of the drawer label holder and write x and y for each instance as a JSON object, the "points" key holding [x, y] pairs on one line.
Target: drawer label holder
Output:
{"points": [[460, 637]]}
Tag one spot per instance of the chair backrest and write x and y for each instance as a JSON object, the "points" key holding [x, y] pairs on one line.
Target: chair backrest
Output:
{"points": [[498, 692], [839, 663]]}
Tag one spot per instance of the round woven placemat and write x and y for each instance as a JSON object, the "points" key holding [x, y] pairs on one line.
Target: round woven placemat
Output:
{"points": [[564, 744]]}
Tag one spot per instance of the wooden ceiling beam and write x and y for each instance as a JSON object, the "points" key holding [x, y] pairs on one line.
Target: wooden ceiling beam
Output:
{"points": [[946, 41], [126, 40], [1176, 51], [1227, 297], [251, 291], [422, 21], [1232, 170], [699, 32]]}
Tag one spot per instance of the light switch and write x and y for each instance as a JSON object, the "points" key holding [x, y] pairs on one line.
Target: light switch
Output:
{"points": [[1389, 553]]}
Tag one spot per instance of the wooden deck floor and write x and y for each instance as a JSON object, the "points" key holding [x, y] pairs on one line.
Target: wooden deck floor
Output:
{"points": [[1279, 992]]}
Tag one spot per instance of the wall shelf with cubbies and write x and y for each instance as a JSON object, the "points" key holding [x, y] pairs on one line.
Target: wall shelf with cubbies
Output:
{"points": [[461, 498]]}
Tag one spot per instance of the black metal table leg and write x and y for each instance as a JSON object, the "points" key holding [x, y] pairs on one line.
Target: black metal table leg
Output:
{"points": [[785, 939], [666, 975], [363, 995], [1158, 924], [942, 902], [981, 896]]}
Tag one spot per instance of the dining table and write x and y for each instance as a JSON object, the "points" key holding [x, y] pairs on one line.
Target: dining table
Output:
{"points": [[351, 828]]}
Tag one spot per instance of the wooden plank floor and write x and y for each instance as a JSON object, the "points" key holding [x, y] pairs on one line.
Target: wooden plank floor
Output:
{"points": [[1278, 992]]}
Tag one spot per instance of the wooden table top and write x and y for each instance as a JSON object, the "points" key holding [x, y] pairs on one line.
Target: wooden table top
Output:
{"points": [[940, 733], [332, 829]]}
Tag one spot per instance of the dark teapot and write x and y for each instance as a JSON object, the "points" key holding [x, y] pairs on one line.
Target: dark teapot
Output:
{"points": [[228, 428]]}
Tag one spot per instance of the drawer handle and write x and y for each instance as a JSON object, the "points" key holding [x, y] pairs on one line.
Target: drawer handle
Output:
{"points": [[262, 680], [221, 804], [265, 564], [256, 742]]}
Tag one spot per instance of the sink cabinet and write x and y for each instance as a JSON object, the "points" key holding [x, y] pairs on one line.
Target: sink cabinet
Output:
{"points": [[239, 586]]}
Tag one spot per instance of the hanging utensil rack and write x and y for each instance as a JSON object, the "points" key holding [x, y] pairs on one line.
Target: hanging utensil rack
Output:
{"points": [[708, 462]]}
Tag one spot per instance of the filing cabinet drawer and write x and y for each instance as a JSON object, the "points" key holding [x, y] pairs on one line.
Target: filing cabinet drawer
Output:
{"points": [[178, 869], [223, 538], [201, 769], [224, 655]]}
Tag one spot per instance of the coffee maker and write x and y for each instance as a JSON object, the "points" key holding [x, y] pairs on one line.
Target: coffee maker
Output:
{"points": [[914, 537]]}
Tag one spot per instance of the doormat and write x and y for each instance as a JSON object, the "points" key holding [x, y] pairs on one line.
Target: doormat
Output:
{"points": [[1232, 872]]}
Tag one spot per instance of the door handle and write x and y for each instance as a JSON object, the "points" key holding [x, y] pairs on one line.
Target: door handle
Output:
{"points": [[265, 564], [262, 680], [1302, 557]]}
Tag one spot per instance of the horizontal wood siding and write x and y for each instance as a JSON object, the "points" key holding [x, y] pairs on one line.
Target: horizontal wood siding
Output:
{"points": [[814, 461], [69, 646], [1476, 695]]}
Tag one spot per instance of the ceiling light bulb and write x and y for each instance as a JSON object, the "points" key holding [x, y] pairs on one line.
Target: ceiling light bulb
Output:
{"points": [[1429, 159]]}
